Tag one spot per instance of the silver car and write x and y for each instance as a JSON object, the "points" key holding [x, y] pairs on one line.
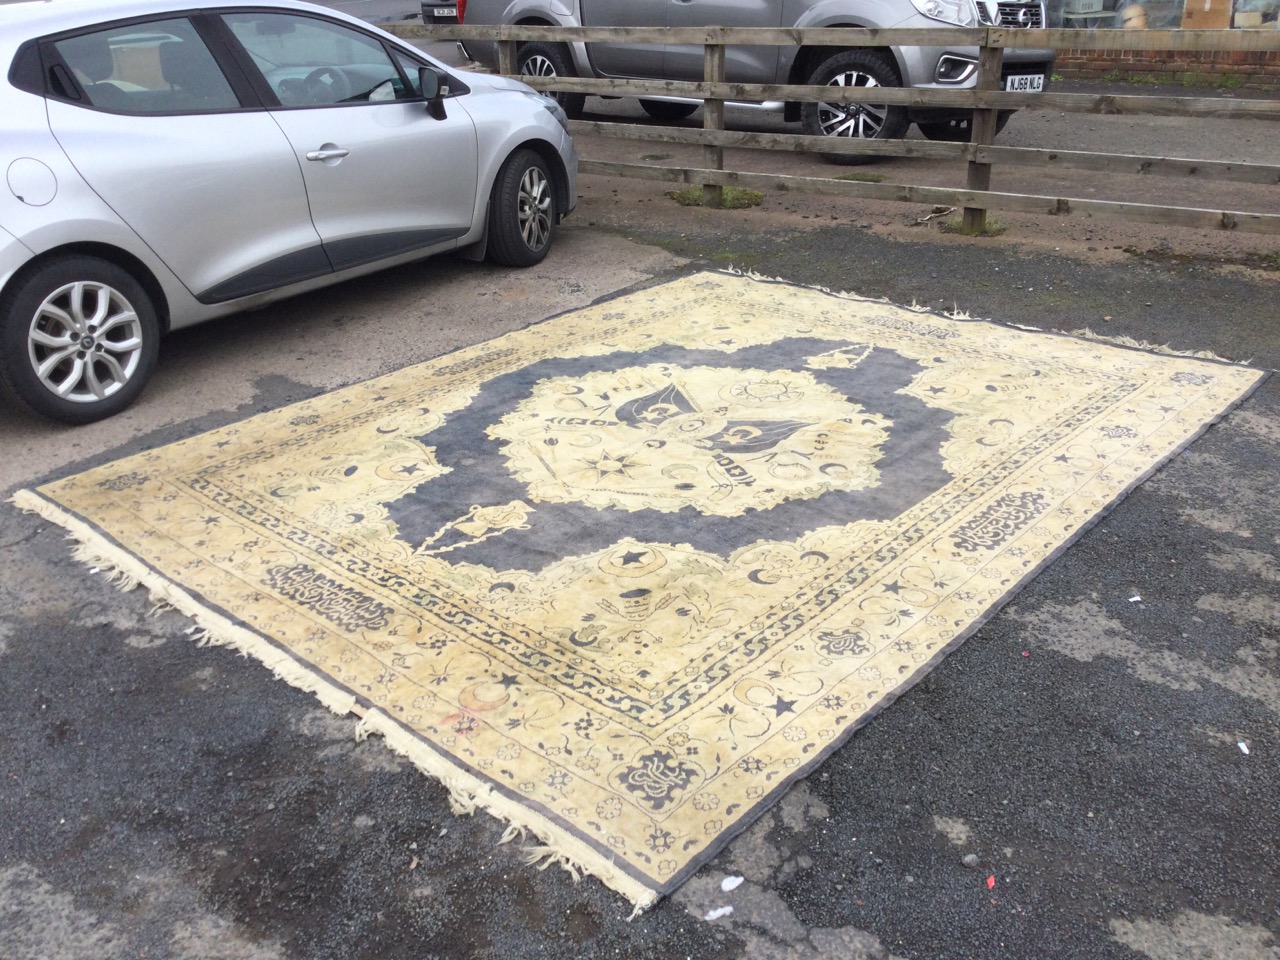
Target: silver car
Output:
{"points": [[168, 162]]}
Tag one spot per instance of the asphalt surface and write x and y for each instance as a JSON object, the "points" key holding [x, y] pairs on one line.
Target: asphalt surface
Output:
{"points": [[1108, 765]]}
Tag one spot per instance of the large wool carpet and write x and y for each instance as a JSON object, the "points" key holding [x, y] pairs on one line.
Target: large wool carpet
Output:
{"points": [[622, 577]]}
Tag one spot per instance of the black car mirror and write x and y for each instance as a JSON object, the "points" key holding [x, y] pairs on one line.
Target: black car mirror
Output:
{"points": [[429, 82]]}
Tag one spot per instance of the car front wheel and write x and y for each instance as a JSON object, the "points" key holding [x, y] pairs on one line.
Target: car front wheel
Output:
{"points": [[79, 338], [551, 60], [863, 69], [522, 211]]}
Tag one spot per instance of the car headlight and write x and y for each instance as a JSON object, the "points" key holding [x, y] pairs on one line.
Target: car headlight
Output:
{"points": [[553, 108], [962, 13]]}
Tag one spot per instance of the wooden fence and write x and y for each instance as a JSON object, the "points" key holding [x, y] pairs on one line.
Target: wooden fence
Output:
{"points": [[986, 100]]}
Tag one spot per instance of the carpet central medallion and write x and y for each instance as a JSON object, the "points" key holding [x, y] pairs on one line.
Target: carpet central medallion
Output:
{"points": [[720, 441], [585, 452], [624, 576]]}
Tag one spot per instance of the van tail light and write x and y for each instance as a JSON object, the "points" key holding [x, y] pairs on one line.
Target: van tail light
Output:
{"points": [[462, 9]]}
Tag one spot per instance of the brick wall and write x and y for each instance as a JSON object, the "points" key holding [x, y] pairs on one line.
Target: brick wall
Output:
{"points": [[1229, 70]]}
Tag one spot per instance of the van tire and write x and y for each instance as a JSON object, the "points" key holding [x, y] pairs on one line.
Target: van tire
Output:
{"points": [[860, 68], [551, 60]]}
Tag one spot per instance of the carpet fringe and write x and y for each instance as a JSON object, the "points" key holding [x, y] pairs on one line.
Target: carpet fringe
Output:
{"points": [[1087, 333], [955, 313], [467, 794], [748, 274], [543, 857]]}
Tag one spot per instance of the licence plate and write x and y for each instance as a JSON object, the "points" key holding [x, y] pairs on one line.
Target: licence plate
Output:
{"points": [[1025, 83], [445, 11]]}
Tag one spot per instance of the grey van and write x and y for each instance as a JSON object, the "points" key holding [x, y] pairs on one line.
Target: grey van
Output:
{"points": [[941, 68]]}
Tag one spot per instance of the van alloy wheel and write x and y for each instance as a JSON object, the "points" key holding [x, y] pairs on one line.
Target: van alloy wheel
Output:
{"points": [[551, 60], [859, 69]]}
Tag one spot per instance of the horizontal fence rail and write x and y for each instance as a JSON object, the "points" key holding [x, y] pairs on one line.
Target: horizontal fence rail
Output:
{"points": [[979, 156], [1002, 37]]}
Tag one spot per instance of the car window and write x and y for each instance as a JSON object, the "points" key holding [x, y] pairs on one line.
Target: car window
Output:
{"points": [[310, 62], [410, 69], [157, 67]]}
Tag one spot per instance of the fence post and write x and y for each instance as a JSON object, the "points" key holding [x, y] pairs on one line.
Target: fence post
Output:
{"points": [[713, 119], [983, 133], [507, 57]]}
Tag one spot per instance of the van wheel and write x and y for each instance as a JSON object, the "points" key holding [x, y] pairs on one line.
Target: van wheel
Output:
{"points": [[866, 121], [522, 211], [959, 131], [79, 339], [551, 60]]}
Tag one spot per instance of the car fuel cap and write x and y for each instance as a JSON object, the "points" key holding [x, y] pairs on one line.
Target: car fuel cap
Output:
{"points": [[32, 182]]}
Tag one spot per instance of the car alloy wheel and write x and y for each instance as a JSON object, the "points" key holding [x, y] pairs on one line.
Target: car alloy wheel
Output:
{"points": [[522, 211], [861, 69], [80, 340], [535, 208], [862, 120]]}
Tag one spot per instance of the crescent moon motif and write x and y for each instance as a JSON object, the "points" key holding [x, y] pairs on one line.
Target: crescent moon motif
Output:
{"points": [[469, 698], [745, 688]]}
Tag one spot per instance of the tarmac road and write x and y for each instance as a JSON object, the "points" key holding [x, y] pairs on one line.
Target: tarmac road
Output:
{"points": [[166, 800]]}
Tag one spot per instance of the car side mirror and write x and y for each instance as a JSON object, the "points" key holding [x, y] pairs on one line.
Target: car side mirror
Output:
{"points": [[429, 83]]}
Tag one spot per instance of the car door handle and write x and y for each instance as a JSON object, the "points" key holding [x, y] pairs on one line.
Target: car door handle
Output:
{"points": [[328, 153]]}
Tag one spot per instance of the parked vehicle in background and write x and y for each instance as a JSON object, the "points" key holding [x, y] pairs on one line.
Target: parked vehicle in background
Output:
{"points": [[940, 68], [170, 161]]}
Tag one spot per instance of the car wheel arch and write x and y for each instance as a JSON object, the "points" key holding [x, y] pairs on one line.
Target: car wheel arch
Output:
{"points": [[559, 181], [808, 58], [555, 165], [114, 255]]}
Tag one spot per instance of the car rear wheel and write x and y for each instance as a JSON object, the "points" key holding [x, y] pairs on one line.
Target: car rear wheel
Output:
{"points": [[79, 338], [522, 211], [666, 111], [551, 60], [959, 131], [866, 121]]}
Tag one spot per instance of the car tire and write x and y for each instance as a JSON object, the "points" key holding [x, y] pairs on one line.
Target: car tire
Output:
{"points": [[667, 112], [863, 68], [79, 339], [551, 60], [959, 131], [522, 211]]}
